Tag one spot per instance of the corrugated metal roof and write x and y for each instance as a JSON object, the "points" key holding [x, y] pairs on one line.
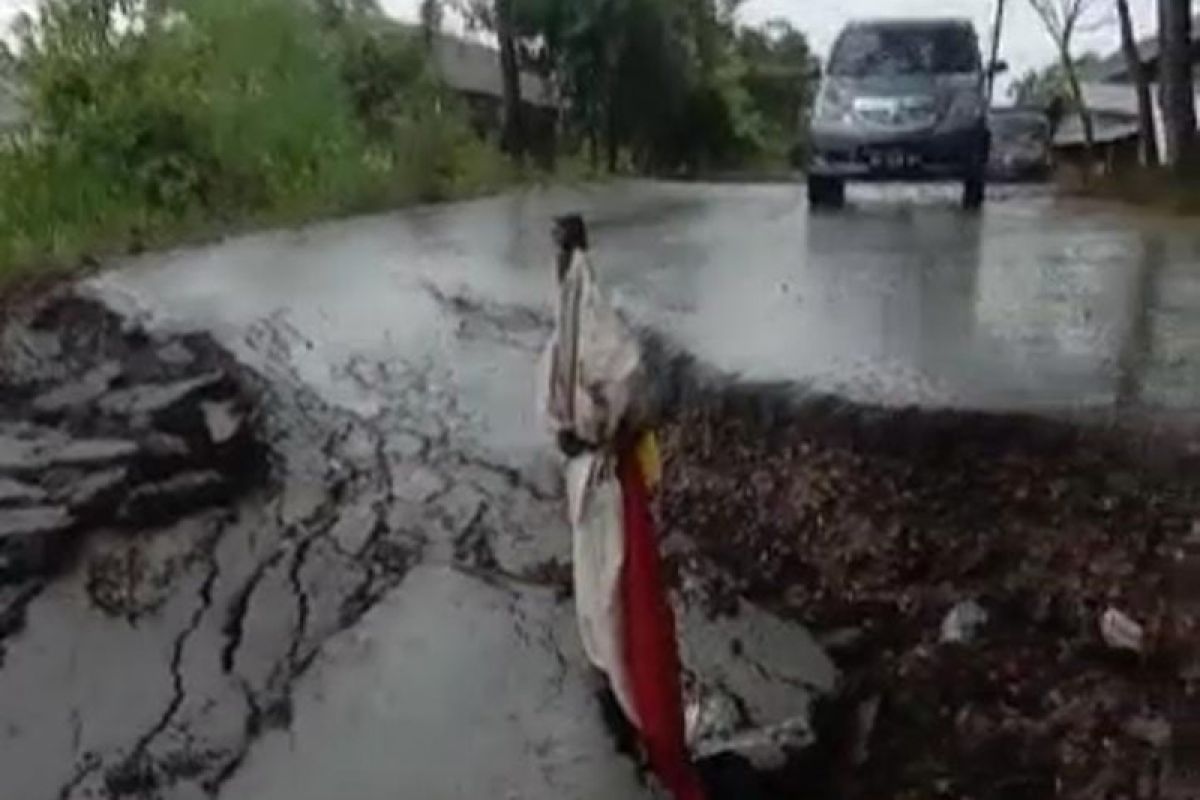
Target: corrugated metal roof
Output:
{"points": [[474, 67], [1116, 98], [1113, 67], [1104, 131]]}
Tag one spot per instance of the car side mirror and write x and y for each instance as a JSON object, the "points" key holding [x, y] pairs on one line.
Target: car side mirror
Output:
{"points": [[999, 67]]}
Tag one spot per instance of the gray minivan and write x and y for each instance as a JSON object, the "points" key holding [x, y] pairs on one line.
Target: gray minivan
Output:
{"points": [[901, 100]]}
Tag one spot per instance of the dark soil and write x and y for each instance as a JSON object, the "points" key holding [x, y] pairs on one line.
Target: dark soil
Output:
{"points": [[870, 525]]}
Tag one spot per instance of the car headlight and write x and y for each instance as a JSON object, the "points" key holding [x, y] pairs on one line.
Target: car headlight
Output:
{"points": [[965, 108], [833, 105]]}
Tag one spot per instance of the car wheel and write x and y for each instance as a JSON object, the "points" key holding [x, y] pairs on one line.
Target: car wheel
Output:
{"points": [[826, 192]]}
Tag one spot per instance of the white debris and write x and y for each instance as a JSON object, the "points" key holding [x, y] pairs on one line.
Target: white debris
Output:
{"points": [[1154, 731], [865, 718], [1120, 632], [963, 622]]}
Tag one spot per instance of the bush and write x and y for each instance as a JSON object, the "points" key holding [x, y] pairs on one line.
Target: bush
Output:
{"points": [[165, 118]]}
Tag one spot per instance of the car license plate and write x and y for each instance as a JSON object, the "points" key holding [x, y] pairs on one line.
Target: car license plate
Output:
{"points": [[892, 159]]}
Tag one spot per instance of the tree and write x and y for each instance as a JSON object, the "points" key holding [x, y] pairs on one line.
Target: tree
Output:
{"points": [[1133, 60], [1062, 20], [781, 75], [670, 85], [1175, 76], [512, 140], [1047, 87], [432, 16]]}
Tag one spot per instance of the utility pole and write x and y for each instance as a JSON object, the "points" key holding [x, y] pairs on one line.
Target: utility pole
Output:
{"points": [[997, 24]]}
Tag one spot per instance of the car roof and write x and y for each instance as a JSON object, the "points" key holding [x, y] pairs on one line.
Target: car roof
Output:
{"points": [[912, 22]]}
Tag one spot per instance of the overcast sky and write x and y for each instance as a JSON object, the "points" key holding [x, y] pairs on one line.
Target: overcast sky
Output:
{"points": [[1025, 43]]}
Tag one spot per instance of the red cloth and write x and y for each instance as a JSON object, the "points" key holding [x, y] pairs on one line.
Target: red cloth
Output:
{"points": [[650, 647]]}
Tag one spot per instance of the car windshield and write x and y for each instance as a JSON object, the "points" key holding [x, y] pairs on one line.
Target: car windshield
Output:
{"points": [[875, 51]]}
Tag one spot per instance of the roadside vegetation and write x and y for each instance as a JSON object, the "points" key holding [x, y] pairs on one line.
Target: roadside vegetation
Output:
{"points": [[666, 87], [149, 120]]}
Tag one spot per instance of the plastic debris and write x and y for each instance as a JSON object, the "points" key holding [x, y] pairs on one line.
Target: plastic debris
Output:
{"points": [[1120, 632], [963, 622]]}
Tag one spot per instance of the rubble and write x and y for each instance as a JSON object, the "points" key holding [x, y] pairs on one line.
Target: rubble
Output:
{"points": [[178, 495], [77, 396], [1120, 632], [17, 493], [867, 524], [29, 538], [963, 622], [145, 434]]}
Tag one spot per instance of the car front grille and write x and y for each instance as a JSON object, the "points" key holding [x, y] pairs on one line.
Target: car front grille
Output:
{"points": [[905, 113]]}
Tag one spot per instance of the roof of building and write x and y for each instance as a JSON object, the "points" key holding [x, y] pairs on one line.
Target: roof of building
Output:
{"points": [[1104, 131], [474, 67], [1113, 67], [1114, 98], [911, 22]]}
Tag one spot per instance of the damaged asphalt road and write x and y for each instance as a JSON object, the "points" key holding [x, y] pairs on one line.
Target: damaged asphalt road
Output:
{"points": [[387, 617]]}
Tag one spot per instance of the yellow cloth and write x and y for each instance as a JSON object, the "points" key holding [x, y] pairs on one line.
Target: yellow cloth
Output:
{"points": [[649, 459]]}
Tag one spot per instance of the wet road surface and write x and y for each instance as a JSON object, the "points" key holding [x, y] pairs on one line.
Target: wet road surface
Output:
{"points": [[380, 624], [902, 298]]}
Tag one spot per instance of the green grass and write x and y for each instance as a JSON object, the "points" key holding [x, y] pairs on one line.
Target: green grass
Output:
{"points": [[235, 114]]}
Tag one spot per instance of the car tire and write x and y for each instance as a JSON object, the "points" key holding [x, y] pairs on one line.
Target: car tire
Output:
{"points": [[974, 190], [975, 182], [826, 192]]}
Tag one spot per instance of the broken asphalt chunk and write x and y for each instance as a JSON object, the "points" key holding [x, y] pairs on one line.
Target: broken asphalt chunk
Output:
{"points": [[77, 396], [96, 491], [154, 502], [963, 622], [1120, 632], [43, 450], [223, 421], [17, 493], [30, 538], [160, 400]]}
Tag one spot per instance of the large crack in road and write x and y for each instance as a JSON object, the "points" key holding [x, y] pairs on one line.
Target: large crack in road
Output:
{"points": [[198, 659]]}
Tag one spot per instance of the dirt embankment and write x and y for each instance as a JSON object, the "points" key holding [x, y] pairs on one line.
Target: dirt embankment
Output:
{"points": [[871, 525]]}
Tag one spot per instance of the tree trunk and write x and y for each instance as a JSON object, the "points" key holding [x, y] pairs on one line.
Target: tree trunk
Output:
{"points": [[611, 133], [1133, 62], [1085, 116], [593, 136], [611, 111], [512, 140], [1175, 75]]}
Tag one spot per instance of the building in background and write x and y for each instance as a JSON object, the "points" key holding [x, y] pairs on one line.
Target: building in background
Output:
{"points": [[472, 70], [1111, 97]]}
